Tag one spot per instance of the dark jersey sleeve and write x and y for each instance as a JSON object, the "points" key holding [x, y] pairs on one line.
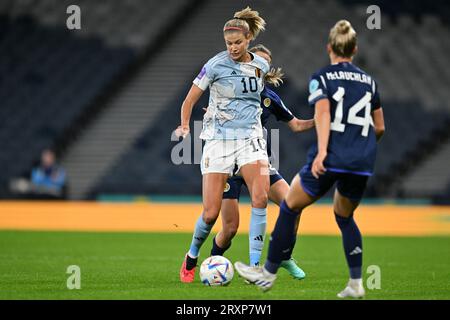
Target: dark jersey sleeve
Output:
{"points": [[375, 102], [317, 89], [275, 105]]}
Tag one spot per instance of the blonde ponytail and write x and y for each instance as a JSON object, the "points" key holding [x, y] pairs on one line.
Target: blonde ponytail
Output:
{"points": [[248, 21], [342, 39], [274, 77]]}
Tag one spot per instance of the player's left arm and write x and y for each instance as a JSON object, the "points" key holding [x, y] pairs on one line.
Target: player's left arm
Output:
{"points": [[283, 113], [378, 121], [299, 125]]}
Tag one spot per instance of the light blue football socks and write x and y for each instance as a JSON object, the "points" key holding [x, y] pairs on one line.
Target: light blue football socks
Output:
{"points": [[258, 221], [201, 232]]}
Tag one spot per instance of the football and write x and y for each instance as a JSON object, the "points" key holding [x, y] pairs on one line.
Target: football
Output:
{"points": [[216, 271]]}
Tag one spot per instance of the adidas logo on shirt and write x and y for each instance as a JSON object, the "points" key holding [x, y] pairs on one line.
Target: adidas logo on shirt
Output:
{"points": [[233, 73], [357, 250]]}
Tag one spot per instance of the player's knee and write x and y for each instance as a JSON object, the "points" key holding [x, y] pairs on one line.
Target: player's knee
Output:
{"points": [[210, 215], [293, 206], [343, 210], [209, 219], [260, 199]]}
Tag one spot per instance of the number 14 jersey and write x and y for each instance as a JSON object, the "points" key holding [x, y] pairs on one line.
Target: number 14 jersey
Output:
{"points": [[234, 110], [353, 95]]}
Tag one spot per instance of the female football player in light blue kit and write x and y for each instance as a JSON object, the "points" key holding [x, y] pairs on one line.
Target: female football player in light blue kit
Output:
{"points": [[349, 122], [272, 105], [232, 128]]}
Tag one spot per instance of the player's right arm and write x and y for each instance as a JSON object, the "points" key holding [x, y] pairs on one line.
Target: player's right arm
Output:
{"points": [[318, 98], [322, 119], [200, 83], [189, 102]]}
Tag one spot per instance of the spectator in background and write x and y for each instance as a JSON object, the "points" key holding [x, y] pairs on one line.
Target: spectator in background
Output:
{"points": [[48, 180]]}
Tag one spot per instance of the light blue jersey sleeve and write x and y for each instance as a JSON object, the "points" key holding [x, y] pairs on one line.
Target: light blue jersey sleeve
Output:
{"points": [[208, 74]]}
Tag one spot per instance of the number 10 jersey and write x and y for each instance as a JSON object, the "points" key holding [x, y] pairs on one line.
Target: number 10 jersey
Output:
{"points": [[234, 110]]}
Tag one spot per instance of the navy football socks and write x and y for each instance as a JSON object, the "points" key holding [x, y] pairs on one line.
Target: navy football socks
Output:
{"points": [[191, 263], [352, 240], [282, 239], [288, 254], [201, 232], [218, 251]]}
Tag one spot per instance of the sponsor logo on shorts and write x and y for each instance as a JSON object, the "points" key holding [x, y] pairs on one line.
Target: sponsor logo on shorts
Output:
{"points": [[206, 162]]}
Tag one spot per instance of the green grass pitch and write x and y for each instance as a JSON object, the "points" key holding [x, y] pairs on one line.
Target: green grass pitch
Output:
{"points": [[145, 266]]}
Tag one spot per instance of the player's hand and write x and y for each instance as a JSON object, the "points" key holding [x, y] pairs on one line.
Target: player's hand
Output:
{"points": [[300, 125], [318, 168], [304, 125], [182, 131]]}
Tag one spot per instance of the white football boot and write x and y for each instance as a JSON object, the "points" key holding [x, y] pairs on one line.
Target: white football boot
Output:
{"points": [[256, 275], [354, 289], [254, 268]]}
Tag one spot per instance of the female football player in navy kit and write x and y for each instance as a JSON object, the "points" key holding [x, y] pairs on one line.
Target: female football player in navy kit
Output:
{"points": [[349, 122], [272, 105]]}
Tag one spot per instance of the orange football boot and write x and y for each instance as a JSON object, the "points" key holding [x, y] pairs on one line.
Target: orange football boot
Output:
{"points": [[186, 276]]}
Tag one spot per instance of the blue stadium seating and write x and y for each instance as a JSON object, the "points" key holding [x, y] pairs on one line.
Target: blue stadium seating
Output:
{"points": [[48, 77]]}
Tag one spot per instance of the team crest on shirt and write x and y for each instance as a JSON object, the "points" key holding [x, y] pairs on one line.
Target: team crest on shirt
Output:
{"points": [[258, 72], [227, 187], [267, 102]]}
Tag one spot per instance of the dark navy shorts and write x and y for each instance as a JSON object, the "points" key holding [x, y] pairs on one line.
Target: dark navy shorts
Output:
{"points": [[349, 185], [234, 184]]}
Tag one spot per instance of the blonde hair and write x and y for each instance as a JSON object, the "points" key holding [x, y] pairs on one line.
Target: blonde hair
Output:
{"points": [[248, 21], [342, 39], [275, 75]]}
